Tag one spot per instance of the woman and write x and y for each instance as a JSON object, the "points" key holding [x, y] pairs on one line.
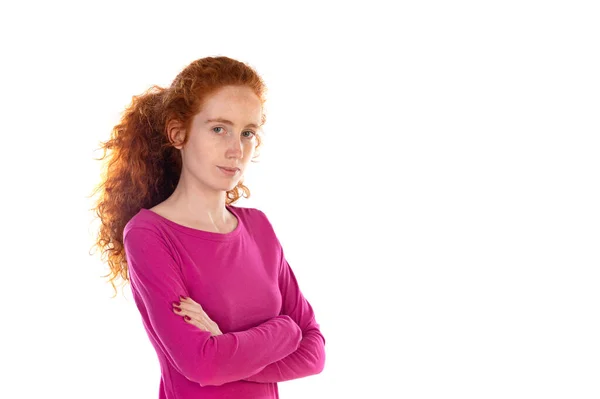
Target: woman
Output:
{"points": [[216, 296]]}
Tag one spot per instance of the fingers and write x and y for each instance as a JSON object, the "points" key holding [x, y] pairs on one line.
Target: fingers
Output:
{"points": [[196, 323], [193, 310], [190, 300], [193, 314], [203, 326], [192, 318]]}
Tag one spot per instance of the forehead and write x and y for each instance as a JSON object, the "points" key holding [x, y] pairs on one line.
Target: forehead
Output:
{"points": [[233, 96], [238, 104]]}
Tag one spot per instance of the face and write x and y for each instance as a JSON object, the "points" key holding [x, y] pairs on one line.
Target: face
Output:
{"points": [[222, 135]]}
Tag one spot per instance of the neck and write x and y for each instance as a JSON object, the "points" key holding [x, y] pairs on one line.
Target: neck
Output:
{"points": [[200, 205]]}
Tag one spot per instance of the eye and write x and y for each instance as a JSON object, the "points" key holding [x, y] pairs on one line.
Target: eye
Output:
{"points": [[251, 132], [217, 127]]}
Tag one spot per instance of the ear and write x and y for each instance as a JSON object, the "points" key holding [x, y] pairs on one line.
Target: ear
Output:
{"points": [[176, 133]]}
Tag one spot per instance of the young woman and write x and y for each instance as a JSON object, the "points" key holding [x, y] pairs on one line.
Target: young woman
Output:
{"points": [[217, 298]]}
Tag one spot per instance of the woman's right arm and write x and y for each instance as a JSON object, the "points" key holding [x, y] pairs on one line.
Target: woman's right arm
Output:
{"points": [[156, 282]]}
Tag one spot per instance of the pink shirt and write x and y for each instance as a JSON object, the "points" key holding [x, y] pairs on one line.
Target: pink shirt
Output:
{"points": [[244, 284]]}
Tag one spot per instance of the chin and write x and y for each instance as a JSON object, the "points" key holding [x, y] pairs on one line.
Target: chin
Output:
{"points": [[231, 186]]}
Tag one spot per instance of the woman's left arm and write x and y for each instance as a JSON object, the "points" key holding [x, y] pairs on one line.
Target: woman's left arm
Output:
{"points": [[309, 358]]}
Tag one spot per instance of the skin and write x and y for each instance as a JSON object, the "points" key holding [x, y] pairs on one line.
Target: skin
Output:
{"points": [[188, 308], [199, 198]]}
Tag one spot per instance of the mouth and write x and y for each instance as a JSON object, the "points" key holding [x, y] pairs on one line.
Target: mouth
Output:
{"points": [[229, 169]]}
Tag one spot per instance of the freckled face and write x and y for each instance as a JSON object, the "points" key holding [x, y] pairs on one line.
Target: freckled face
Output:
{"points": [[223, 135]]}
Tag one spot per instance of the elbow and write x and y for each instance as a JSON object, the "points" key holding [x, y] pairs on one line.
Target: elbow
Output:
{"points": [[192, 373], [208, 377], [202, 376], [314, 350], [204, 382], [211, 379], [200, 369], [319, 364], [196, 377], [315, 359]]}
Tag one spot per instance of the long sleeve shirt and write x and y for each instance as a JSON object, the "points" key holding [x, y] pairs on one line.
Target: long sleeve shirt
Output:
{"points": [[244, 284]]}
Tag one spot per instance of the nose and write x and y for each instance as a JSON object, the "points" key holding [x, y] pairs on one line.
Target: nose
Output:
{"points": [[235, 148]]}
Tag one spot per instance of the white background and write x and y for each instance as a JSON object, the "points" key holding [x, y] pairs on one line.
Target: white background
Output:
{"points": [[431, 168]]}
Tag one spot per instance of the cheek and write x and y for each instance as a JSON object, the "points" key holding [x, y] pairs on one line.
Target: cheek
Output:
{"points": [[250, 147], [206, 149], [199, 156]]}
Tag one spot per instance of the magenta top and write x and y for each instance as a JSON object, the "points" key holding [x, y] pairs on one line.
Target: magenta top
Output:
{"points": [[244, 284]]}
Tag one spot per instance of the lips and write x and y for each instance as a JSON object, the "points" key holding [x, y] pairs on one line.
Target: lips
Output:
{"points": [[229, 169]]}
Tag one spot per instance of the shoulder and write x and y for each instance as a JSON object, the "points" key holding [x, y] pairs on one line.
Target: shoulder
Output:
{"points": [[253, 218], [248, 213], [143, 226]]}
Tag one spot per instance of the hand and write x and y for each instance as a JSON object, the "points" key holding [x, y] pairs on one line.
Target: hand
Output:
{"points": [[197, 317]]}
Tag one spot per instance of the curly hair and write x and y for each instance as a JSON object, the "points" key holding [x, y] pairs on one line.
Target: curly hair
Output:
{"points": [[143, 166]]}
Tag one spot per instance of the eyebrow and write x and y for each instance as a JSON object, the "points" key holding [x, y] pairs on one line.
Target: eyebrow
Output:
{"points": [[228, 122]]}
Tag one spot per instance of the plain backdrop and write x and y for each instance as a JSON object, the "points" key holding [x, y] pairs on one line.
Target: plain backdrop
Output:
{"points": [[430, 167]]}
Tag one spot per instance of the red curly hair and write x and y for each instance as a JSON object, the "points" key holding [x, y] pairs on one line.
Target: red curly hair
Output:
{"points": [[143, 166]]}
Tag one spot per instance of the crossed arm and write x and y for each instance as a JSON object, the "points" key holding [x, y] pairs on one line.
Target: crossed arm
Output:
{"points": [[285, 347]]}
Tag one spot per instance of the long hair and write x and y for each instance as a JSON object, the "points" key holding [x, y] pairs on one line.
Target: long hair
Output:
{"points": [[143, 166]]}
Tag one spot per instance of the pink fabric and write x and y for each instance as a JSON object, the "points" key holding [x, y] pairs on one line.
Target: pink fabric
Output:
{"points": [[244, 283]]}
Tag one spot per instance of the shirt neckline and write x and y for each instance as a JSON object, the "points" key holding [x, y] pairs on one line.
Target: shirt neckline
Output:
{"points": [[210, 235]]}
